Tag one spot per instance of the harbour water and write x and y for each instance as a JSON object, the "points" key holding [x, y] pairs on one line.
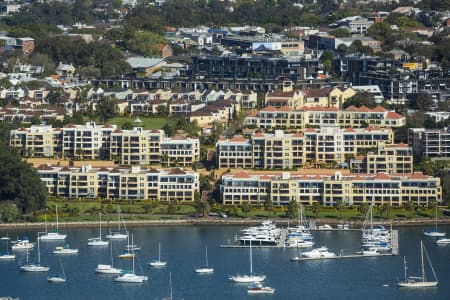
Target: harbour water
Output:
{"points": [[183, 248]]}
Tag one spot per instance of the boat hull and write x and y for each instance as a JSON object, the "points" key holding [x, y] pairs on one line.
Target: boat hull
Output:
{"points": [[131, 278], [118, 236], [158, 263], [443, 241], [434, 233], [34, 268], [7, 257], [56, 279], [107, 269], [247, 278], [53, 237], [98, 243], [418, 284], [262, 291], [204, 270]]}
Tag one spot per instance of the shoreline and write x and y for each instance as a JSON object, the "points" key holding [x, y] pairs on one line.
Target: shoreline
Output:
{"points": [[355, 224]]}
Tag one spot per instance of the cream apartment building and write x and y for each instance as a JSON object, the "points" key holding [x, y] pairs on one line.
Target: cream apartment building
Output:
{"points": [[134, 183], [354, 189]]}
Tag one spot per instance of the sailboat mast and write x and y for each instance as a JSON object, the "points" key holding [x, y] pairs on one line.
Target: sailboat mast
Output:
{"points": [[39, 251], [132, 251], [45, 221], [111, 254], [405, 268], [159, 251], [170, 284], [251, 258], [206, 255], [435, 219], [118, 215], [57, 226], [100, 216], [421, 258]]}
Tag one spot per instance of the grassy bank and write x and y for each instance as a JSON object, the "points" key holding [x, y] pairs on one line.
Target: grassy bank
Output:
{"points": [[82, 210]]}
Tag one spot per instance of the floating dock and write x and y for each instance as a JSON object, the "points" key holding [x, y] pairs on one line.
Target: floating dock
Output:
{"points": [[282, 240], [341, 257]]}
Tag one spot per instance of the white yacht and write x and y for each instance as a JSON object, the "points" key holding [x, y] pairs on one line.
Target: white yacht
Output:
{"points": [[248, 278], [24, 244], [434, 232], [65, 250], [108, 269], [443, 241], [29, 267], [321, 252], [58, 279], [258, 288], [158, 262], [206, 269], [419, 281], [118, 235], [98, 241], [53, 235], [131, 277]]}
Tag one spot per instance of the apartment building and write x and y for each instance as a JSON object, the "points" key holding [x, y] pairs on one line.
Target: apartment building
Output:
{"points": [[136, 146], [133, 183], [430, 142], [286, 118], [179, 151], [324, 97], [330, 145], [390, 159], [90, 141], [353, 189]]}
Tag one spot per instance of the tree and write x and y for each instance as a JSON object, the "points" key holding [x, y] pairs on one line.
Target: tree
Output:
{"points": [[19, 183], [424, 102], [246, 208], [326, 59], [127, 125], [340, 32], [147, 208], [380, 31], [56, 96], [409, 206], [234, 211], [339, 206], [106, 108], [268, 205], [363, 209], [360, 99], [172, 208], [316, 208], [204, 208], [292, 209], [9, 213]]}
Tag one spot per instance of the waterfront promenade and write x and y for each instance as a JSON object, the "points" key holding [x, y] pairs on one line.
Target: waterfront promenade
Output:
{"points": [[214, 221]]}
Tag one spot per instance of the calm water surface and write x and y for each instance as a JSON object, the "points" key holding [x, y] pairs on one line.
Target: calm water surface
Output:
{"points": [[183, 248]]}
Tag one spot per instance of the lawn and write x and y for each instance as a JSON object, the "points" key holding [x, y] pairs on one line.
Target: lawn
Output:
{"points": [[147, 122], [87, 210]]}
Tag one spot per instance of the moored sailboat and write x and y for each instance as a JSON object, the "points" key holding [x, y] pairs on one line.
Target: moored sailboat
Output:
{"points": [[52, 235], [118, 235], [130, 276], [30, 267], [248, 278], [419, 281], [434, 232], [98, 241], [206, 269], [158, 262], [62, 277], [108, 269]]}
